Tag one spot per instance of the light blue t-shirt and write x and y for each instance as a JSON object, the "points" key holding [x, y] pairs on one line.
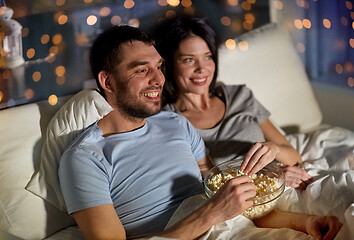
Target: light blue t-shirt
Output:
{"points": [[145, 173]]}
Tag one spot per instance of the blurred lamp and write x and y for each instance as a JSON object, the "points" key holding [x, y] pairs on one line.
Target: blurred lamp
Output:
{"points": [[10, 39]]}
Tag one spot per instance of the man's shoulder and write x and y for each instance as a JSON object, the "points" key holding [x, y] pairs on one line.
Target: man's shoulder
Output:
{"points": [[88, 137], [167, 115]]}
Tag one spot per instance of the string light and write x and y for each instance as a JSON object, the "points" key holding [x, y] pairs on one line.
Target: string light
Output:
{"points": [[278, 4], [243, 46], [226, 21], [29, 93], [53, 99], [232, 3], [230, 44], [116, 20], [31, 52], [36, 76], [298, 23], [326, 23], [91, 20]]}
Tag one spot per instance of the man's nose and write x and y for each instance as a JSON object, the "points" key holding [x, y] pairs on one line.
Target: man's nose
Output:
{"points": [[157, 78]]}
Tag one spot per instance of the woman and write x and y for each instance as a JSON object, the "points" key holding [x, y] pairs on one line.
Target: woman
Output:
{"points": [[230, 120]]}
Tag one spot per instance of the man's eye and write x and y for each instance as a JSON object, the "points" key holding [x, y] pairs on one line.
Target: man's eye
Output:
{"points": [[141, 70]]}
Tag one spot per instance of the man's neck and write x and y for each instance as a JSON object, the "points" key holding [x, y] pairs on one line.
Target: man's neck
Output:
{"points": [[115, 122]]}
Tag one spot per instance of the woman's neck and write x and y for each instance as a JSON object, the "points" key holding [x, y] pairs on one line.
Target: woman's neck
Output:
{"points": [[193, 102]]}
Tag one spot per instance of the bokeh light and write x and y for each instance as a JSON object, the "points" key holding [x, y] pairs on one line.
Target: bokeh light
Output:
{"points": [[1, 96], [344, 21], [339, 68], [226, 21], [29, 93], [326, 23], [247, 25], [232, 3], [54, 50], [60, 2], [60, 71], [62, 19], [170, 14], [306, 23], [351, 42], [246, 6], [116, 20], [243, 46], [105, 11], [91, 20], [129, 4], [230, 44], [278, 4], [31, 52], [25, 32], [298, 23], [186, 3], [45, 39], [53, 99], [350, 81], [300, 47], [162, 3], [60, 80], [173, 3], [349, 5], [57, 39], [134, 22], [36, 76]]}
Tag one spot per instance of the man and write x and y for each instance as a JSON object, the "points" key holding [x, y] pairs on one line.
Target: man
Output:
{"points": [[124, 176]]}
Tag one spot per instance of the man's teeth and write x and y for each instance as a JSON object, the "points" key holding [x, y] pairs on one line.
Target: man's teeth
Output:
{"points": [[199, 80], [151, 94]]}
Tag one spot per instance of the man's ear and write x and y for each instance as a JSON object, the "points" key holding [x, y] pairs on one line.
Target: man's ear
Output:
{"points": [[105, 79]]}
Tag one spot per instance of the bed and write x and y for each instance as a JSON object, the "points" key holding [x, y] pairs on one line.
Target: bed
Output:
{"points": [[33, 136]]}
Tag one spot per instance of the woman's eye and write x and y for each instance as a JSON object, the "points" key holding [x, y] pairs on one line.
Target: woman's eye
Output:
{"points": [[188, 60], [209, 57]]}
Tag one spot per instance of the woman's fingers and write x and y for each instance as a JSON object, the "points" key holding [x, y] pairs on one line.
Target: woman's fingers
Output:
{"points": [[259, 155]]}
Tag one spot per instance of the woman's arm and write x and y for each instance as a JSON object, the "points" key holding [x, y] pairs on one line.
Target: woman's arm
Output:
{"points": [[320, 227], [276, 147]]}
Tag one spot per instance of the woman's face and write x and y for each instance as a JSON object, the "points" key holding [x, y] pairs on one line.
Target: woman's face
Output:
{"points": [[193, 66]]}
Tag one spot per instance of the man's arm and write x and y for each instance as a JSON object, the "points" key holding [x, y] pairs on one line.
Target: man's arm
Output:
{"points": [[100, 222]]}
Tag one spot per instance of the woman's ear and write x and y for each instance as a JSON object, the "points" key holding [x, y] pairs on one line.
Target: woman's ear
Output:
{"points": [[105, 80]]}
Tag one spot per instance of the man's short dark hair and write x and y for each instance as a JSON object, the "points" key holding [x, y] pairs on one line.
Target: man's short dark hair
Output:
{"points": [[105, 50]]}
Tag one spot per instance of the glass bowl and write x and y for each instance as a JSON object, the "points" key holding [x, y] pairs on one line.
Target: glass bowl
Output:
{"points": [[270, 184]]}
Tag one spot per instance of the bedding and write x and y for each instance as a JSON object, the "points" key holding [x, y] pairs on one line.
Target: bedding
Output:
{"points": [[328, 155]]}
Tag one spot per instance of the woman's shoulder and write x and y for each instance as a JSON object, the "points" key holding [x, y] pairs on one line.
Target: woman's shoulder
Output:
{"points": [[231, 90]]}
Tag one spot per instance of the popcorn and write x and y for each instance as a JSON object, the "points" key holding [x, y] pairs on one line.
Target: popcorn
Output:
{"points": [[265, 187]]}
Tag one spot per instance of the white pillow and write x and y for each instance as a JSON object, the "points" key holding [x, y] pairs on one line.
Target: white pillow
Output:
{"points": [[273, 70], [79, 112]]}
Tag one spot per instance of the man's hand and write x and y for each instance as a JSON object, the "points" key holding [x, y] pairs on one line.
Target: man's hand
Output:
{"points": [[296, 177], [233, 198], [323, 227], [259, 155]]}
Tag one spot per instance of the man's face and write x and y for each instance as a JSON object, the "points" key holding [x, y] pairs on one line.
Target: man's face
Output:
{"points": [[139, 80]]}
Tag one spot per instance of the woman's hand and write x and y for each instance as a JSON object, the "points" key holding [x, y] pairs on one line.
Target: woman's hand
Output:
{"points": [[296, 177], [323, 227], [259, 155]]}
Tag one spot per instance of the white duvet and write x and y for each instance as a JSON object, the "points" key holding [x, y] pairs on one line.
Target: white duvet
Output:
{"points": [[328, 155]]}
